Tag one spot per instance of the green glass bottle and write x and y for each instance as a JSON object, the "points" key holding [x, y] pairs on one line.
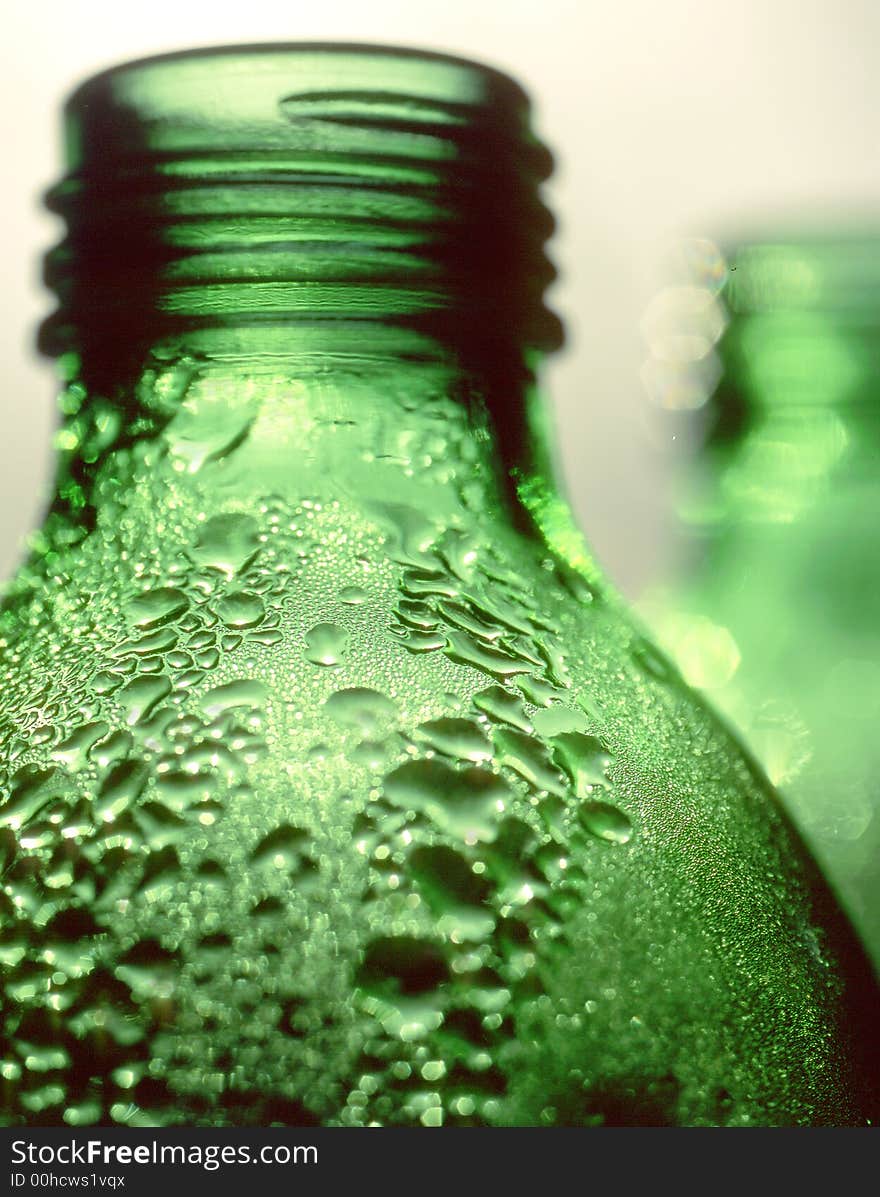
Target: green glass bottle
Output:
{"points": [[339, 789], [777, 615]]}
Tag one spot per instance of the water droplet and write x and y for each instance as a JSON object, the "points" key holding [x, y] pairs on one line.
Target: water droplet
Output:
{"points": [[32, 789], [37, 835], [246, 692], [456, 895], [141, 695], [74, 751], [605, 821], [416, 614], [326, 644], [576, 585], [266, 637], [156, 606], [422, 642], [208, 658], [106, 681], [459, 738], [151, 665], [524, 647], [584, 758], [149, 969], [227, 543], [464, 650], [417, 583], [45, 1098], [158, 641], [554, 865], [552, 721], [503, 707], [353, 596], [468, 621], [361, 708], [403, 965], [466, 804], [88, 1113], [45, 1057], [557, 670], [539, 692], [241, 609], [180, 790], [114, 748], [498, 609], [529, 758], [211, 755], [208, 425], [460, 551], [411, 533], [372, 754], [281, 848], [434, 1070], [162, 870], [122, 786], [201, 640]]}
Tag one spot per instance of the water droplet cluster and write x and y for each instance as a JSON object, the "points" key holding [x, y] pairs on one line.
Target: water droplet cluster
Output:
{"points": [[320, 809]]}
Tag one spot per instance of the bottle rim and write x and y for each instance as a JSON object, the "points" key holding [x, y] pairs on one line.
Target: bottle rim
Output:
{"points": [[302, 181], [169, 58]]}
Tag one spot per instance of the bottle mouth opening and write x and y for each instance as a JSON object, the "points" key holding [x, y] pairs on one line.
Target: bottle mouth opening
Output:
{"points": [[305, 181]]}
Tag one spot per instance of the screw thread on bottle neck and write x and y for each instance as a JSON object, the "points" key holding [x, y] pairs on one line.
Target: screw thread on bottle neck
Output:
{"points": [[247, 188]]}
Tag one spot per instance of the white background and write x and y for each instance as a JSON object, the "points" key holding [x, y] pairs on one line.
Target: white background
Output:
{"points": [[667, 117]]}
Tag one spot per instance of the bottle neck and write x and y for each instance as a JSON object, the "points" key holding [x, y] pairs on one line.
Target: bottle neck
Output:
{"points": [[794, 425], [216, 192], [341, 248]]}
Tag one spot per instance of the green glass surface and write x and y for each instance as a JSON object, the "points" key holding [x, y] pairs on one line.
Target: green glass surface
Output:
{"points": [[777, 617], [339, 788]]}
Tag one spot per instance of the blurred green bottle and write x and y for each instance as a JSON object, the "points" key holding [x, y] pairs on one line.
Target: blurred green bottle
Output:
{"points": [[338, 787], [776, 616]]}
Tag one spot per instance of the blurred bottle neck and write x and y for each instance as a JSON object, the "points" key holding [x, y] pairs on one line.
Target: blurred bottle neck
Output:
{"points": [[794, 423]]}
